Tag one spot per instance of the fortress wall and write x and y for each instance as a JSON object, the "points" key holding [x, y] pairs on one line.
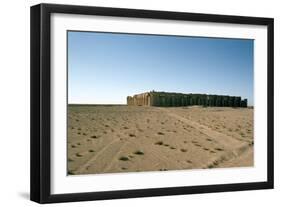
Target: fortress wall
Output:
{"points": [[239, 102], [130, 101], [244, 103], [169, 100], [177, 99], [154, 99], [217, 102], [231, 101]]}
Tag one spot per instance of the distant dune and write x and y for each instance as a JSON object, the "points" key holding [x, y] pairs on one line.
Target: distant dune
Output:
{"points": [[121, 138]]}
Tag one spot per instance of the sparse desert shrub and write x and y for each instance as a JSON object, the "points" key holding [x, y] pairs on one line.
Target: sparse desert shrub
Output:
{"points": [[124, 158], [132, 135], [159, 143], [79, 154], [210, 166], [215, 163], [139, 152]]}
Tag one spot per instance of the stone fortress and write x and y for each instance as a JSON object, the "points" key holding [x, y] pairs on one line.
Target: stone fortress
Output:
{"points": [[166, 99]]}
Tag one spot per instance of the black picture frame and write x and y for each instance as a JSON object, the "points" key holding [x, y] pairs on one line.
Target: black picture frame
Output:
{"points": [[40, 184]]}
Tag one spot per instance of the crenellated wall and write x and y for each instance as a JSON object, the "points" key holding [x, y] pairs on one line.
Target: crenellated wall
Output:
{"points": [[165, 99]]}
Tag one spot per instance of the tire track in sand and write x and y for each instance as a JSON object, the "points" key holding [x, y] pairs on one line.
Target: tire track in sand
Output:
{"points": [[234, 149], [100, 161], [223, 139]]}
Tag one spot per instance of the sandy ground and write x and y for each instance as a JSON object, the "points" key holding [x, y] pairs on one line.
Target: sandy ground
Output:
{"points": [[107, 139]]}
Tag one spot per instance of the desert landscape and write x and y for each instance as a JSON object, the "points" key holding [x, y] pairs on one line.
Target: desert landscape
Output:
{"points": [[121, 138]]}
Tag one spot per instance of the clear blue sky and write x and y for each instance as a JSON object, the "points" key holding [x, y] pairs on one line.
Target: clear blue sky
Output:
{"points": [[104, 68]]}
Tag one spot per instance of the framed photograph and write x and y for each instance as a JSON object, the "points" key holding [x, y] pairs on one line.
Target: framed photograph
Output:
{"points": [[133, 103]]}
